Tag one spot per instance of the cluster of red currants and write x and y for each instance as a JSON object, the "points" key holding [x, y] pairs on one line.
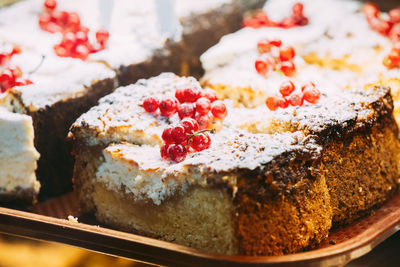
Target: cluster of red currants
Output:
{"points": [[389, 28], [288, 96], [75, 42], [260, 19], [10, 76], [199, 110], [274, 56]]}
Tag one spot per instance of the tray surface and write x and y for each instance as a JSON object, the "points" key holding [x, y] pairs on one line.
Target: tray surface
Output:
{"points": [[47, 221]]}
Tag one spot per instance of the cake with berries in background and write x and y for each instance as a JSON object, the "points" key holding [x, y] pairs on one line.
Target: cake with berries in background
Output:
{"points": [[66, 61], [165, 158]]}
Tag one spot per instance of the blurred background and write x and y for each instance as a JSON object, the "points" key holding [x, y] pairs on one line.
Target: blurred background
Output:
{"points": [[17, 252]]}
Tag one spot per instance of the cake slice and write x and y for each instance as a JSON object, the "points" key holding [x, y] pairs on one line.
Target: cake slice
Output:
{"points": [[250, 193], [17, 168], [64, 88]]}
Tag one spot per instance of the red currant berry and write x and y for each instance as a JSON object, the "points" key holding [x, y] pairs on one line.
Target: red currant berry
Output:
{"points": [[203, 121], [392, 60], [60, 51], [178, 134], [381, 26], [210, 94], [203, 105], [69, 41], [276, 42], [168, 107], [264, 64], [200, 141], [102, 36], [191, 95], [309, 84], [150, 104], [167, 135], [286, 53], [177, 152], [286, 88], [288, 68], [296, 99], [191, 125], [218, 109], [370, 10], [82, 52], [283, 102], [16, 50], [7, 80], [264, 46], [186, 110], [81, 37], [297, 8], [50, 5], [311, 94], [74, 22], [272, 102], [164, 151], [180, 95], [394, 33], [394, 15]]}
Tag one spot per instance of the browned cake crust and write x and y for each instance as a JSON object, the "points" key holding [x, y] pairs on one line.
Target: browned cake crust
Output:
{"points": [[346, 164]]}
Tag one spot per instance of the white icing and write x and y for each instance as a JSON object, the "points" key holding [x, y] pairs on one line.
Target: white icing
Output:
{"points": [[17, 153]]}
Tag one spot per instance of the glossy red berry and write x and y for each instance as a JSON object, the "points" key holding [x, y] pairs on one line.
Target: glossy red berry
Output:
{"points": [[283, 102], [81, 37], [180, 95], [264, 46], [200, 141], [191, 125], [311, 94], [203, 105], [272, 102], [392, 60], [286, 88], [178, 134], [286, 53], [150, 104], [68, 41], [164, 151], [203, 120], [210, 94], [309, 84], [50, 5], [394, 15], [218, 109], [296, 99], [288, 68], [186, 110], [168, 107], [7, 80], [370, 10], [264, 64], [394, 33], [297, 8], [102, 36], [379, 25], [82, 52], [167, 135], [60, 51], [191, 95], [176, 152]]}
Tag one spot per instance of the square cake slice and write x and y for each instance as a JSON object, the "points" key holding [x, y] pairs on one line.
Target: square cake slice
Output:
{"points": [[249, 193]]}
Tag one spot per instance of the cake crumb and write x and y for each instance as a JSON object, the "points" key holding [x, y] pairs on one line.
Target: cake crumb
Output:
{"points": [[72, 218]]}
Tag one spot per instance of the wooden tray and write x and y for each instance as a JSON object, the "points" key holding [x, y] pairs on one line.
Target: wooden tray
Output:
{"points": [[47, 221]]}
